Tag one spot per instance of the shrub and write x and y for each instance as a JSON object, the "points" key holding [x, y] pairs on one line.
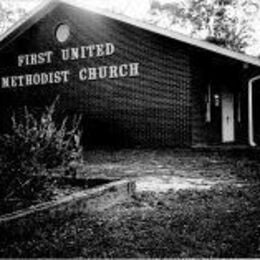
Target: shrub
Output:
{"points": [[33, 146]]}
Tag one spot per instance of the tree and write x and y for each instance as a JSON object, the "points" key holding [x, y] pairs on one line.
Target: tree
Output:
{"points": [[9, 14], [227, 23]]}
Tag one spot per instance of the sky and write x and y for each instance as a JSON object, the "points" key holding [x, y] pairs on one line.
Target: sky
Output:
{"points": [[137, 9], [28, 4]]}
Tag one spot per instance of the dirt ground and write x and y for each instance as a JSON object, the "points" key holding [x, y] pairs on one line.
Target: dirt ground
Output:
{"points": [[221, 165], [187, 204]]}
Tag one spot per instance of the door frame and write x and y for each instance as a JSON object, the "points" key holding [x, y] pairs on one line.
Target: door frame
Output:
{"points": [[227, 116]]}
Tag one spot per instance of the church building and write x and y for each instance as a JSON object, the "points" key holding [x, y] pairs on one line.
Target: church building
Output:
{"points": [[136, 85]]}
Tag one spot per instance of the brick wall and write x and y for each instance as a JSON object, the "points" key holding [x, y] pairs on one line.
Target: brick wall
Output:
{"points": [[153, 109]]}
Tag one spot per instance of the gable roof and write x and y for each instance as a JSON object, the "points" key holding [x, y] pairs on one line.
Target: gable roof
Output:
{"points": [[46, 6]]}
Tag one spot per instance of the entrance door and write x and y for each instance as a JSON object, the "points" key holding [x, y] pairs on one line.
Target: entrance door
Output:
{"points": [[228, 134]]}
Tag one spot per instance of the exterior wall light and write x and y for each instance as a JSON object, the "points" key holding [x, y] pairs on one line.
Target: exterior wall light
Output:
{"points": [[216, 100]]}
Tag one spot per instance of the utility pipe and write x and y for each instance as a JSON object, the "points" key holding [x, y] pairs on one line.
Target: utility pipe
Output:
{"points": [[250, 111]]}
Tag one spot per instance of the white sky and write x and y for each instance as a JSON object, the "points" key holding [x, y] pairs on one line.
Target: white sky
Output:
{"points": [[28, 4], [134, 8]]}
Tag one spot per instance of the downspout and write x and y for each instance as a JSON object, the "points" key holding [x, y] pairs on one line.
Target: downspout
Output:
{"points": [[250, 111]]}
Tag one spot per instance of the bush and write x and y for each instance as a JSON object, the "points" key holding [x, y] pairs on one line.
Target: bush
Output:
{"points": [[33, 146]]}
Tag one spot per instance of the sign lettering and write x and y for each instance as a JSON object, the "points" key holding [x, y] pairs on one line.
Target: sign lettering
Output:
{"points": [[113, 71]]}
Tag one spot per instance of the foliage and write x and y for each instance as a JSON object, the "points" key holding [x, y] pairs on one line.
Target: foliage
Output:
{"points": [[226, 23], [32, 147], [9, 15]]}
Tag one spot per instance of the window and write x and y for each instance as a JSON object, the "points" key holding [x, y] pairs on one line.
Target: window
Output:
{"points": [[62, 33]]}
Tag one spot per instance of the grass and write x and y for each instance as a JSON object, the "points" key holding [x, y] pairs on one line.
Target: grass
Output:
{"points": [[221, 222], [242, 165]]}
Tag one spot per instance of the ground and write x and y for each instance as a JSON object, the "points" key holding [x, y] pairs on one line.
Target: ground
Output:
{"points": [[188, 204]]}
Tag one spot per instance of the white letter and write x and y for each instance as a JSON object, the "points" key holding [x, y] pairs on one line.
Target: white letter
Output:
{"points": [[5, 82], [28, 79], [74, 53], [51, 77], [44, 78], [36, 79], [13, 81], [65, 75], [65, 54], [33, 59], [83, 52], [49, 54], [20, 60], [82, 74], [110, 48], [92, 73], [41, 58], [100, 50], [134, 69], [123, 72], [90, 49], [102, 72], [113, 72], [57, 77], [20, 78]]}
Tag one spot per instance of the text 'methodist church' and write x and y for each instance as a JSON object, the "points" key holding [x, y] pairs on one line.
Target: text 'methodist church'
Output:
{"points": [[136, 85]]}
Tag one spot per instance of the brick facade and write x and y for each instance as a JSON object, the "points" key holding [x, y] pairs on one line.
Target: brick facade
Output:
{"points": [[150, 110], [163, 107]]}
